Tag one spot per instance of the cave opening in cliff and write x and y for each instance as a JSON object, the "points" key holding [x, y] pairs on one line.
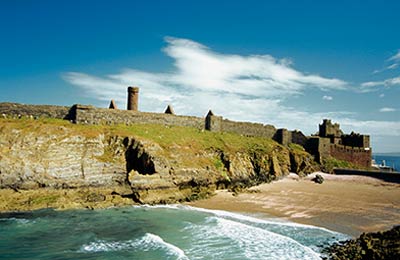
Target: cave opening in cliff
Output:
{"points": [[137, 159]]}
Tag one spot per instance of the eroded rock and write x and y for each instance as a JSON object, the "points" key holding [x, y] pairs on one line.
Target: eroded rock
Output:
{"points": [[369, 246]]}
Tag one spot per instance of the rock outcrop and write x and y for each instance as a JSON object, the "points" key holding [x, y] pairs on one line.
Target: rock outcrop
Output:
{"points": [[157, 167], [371, 246], [30, 161]]}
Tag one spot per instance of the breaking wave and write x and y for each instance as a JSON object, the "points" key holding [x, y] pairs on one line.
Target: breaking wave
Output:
{"points": [[249, 242], [18, 220], [227, 214], [309, 236], [160, 232], [146, 243]]}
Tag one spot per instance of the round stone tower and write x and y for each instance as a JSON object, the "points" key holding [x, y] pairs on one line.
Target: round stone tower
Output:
{"points": [[133, 98]]}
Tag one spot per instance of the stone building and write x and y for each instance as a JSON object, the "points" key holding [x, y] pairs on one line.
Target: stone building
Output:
{"points": [[331, 142]]}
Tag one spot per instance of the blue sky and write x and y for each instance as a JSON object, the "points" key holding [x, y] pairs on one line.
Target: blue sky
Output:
{"points": [[286, 63]]}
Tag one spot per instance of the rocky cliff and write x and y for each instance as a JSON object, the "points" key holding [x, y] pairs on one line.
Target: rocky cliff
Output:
{"points": [[154, 164], [369, 246]]}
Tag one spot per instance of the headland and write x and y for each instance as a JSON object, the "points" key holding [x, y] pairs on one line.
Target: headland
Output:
{"points": [[87, 157]]}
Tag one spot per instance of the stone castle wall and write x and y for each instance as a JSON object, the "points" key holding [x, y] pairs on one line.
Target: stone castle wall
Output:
{"points": [[298, 137], [327, 129], [319, 147], [248, 129], [82, 114], [92, 115], [48, 111], [322, 148], [355, 140], [356, 155], [286, 137], [101, 116]]}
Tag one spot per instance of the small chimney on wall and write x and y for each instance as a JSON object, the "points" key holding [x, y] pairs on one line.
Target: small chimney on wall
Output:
{"points": [[169, 110], [133, 98], [112, 105]]}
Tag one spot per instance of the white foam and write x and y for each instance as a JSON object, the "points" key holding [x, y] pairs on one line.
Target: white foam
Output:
{"points": [[237, 216], [154, 240], [262, 244], [104, 246], [243, 241], [222, 213], [161, 206], [148, 242], [18, 220], [307, 236]]}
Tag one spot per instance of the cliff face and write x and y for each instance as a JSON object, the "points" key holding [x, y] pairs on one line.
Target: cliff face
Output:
{"points": [[160, 164], [58, 160]]}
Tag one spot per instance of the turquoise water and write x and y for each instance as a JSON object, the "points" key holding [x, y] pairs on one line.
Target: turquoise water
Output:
{"points": [[390, 160], [159, 232]]}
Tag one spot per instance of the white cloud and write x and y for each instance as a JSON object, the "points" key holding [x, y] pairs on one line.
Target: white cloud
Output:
{"points": [[204, 79], [395, 57], [373, 85], [394, 60], [387, 109], [393, 66], [382, 95], [243, 88], [329, 98], [197, 68]]}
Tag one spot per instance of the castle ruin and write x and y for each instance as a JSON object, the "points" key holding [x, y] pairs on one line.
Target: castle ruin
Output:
{"points": [[329, 142]]}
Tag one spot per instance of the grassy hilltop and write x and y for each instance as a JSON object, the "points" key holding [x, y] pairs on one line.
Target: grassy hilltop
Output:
{"points": [[139, 163]]}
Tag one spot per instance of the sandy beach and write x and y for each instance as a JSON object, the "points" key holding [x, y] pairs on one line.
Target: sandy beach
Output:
{"points": [[347, 204]]}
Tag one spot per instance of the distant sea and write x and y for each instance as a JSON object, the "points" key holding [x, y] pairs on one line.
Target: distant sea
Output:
{"points": [[391, 159], [157, 232]]}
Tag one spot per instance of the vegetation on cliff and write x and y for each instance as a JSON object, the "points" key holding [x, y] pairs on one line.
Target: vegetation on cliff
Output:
{"points": [[330, 163], [160, 164]]}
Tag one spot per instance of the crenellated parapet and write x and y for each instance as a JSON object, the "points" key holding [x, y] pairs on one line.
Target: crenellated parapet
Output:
{"points": [[331, 142]]}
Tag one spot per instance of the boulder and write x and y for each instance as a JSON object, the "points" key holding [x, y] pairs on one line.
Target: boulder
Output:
{"points": [[318, 179]]}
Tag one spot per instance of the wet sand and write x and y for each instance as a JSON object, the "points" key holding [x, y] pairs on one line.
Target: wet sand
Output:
{"points": [[347, 204]]}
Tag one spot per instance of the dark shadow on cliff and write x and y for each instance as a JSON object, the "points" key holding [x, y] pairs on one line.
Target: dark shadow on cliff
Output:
{"points": [[137, 158]]}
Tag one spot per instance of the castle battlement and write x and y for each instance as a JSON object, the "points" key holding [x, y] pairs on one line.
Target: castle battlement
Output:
{"points": [[331, 142]]}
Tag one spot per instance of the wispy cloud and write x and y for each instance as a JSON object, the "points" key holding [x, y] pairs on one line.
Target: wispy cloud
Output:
{"points": [[387, 109], [394, 62], [374, 85], [246, 88], [329, 98], [197, 68], [396, 57]]}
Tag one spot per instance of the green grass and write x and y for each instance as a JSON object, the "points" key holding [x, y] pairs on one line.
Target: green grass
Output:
{"points": [[165, 136], [190, 144], [45, 199], [331, 163], [296, 147], [219, 165]]}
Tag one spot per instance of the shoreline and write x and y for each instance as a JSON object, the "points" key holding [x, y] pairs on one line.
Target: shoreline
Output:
{"points": [[63, 199], [347, 204]]}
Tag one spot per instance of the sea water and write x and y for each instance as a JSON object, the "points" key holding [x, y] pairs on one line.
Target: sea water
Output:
{"points": [[157, 232], [390, 160]]}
